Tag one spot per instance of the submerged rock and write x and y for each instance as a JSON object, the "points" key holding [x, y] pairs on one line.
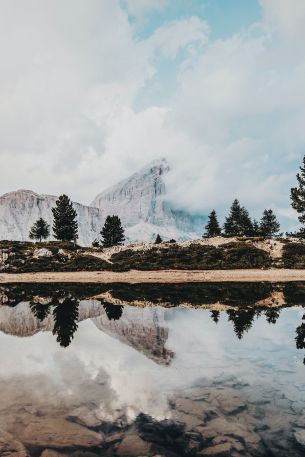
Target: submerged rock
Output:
{"points": [[59, 433], [51, 453], [10, 447], [300, 437], [219, 450], [133, 446]]}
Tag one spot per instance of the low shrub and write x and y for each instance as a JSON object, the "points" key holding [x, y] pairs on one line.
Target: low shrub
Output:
{"points": [[293, 255], [193, 257], [56, 263]]}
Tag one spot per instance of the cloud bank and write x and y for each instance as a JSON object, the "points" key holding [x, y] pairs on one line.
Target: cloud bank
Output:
{"points": [[84, 101]]}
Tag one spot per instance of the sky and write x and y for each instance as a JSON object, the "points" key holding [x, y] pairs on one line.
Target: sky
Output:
{"points": [[90, 92]]}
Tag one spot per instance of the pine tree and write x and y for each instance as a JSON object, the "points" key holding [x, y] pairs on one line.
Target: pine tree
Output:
{"points": [[297, 195], [158, 239], [212, 228], [255, 228], [269, 225], [272, 315], [40, 230], [40, 311], [114, 312], [238, 223], [112, 233], [65, 320], [215, 316], [65, 226], [246, 226]]}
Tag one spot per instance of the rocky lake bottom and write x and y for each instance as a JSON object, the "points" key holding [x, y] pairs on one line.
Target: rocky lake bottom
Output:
{"points": [[152, 370]]}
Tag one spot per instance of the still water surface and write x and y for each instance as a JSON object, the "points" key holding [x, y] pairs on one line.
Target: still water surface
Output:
{"points": [[171, 370]]}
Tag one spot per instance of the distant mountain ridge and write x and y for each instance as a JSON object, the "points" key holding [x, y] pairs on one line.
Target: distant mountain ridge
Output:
{"points": [[139, 201]]}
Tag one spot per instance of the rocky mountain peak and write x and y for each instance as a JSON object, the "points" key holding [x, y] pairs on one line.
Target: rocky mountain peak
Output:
{"points": [[139, 201]]}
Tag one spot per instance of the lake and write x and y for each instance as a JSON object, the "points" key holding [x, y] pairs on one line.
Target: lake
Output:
{"points": [[152, 370]]}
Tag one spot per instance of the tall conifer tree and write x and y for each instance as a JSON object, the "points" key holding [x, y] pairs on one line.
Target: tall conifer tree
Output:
{"points": [[297, 195], [65, 316], [112, 232], [269, 225], [40, 230], [65, 226], [212, 228], [238, 222]]}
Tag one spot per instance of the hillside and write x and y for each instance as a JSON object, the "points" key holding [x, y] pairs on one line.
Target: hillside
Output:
{"points": [[209, 254]]}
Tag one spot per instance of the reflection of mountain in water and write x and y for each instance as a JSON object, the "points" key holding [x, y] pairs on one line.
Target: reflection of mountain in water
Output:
{"points": [[29, 308], [143, 331]]}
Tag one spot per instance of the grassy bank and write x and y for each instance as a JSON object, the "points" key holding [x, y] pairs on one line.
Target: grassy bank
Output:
{"points": [[226, 254]]}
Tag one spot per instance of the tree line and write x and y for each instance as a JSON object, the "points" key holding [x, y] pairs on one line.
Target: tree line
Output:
{"points": [[65, 226], [237, 223]]}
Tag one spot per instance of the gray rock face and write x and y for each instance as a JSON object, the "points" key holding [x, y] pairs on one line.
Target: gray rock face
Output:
{"points": [[140, 202], [20, 209]]}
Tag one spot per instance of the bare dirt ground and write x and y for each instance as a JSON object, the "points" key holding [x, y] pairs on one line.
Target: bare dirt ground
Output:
{"points": [[163, 276]]}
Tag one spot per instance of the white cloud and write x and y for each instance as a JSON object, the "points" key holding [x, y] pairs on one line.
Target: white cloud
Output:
{"points": [[231, 126], [176, 35], [286, 15]]}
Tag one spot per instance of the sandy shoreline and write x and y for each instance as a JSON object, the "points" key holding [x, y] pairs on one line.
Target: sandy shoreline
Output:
{"points": [[163, 276]]}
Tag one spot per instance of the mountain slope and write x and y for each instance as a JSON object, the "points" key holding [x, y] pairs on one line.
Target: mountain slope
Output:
{"points": [[140, 202], [143, 330], [20, 209]]}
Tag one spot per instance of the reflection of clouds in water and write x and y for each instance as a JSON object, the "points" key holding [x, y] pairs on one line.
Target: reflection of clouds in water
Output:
{"points": [[99, 368]]}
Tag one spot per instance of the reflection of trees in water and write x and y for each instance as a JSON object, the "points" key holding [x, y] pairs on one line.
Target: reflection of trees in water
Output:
{"points": [[272, 315], [39, 310], [300, 336], [114, 312], [215, 315], [65, 320], [242, 320]]}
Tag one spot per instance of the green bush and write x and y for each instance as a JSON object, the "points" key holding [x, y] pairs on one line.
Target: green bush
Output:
{"points": [[56, 263], [244, 256], [193, 257], [293, 255]]}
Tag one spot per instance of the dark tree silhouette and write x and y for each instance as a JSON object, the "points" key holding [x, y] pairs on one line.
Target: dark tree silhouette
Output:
{"points": [[238, 222], [40, 230], [269, 225], [39, 310], [212, 228], [272, 315], [300, 336], [114, 312], [112, 233], [255, 228], [215, 315], [242, 320], [297, 195], [158, 239], [65, 226], [65, 320]]}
